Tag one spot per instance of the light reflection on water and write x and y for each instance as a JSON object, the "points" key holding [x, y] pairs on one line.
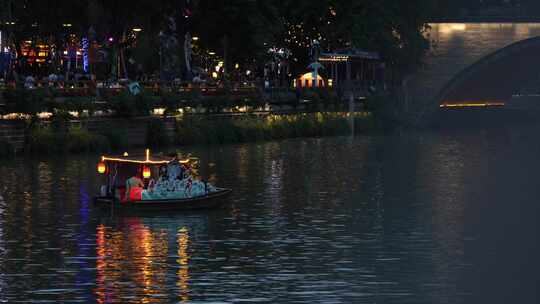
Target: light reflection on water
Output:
{"points": [[2, 245], [396, 219], [137, 258], [183, 262]]}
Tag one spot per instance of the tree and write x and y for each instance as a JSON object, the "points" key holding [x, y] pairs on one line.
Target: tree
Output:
{"points": [[393, 28], [302, 23], [239, 31]]}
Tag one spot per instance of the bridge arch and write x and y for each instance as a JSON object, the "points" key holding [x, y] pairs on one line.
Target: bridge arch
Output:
{"points": [[458, 49], [495, 77]]}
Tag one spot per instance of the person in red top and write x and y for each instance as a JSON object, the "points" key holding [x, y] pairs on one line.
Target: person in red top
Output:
{"points": [[134, 187]]}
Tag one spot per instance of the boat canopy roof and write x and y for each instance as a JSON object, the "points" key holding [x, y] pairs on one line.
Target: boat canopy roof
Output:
{"points": [[144, 159]]}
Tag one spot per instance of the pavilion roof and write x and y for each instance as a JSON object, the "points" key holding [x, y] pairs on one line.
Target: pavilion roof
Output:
{"points": [[349, 53]]}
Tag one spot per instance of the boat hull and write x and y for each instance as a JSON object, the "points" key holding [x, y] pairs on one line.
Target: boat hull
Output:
{"points": [[201, 202]]}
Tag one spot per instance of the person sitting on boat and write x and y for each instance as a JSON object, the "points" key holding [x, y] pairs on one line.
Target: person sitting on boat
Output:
{"points": [[134, 187], [174, 170], [162, 182], [163, 173], [186, 171]]}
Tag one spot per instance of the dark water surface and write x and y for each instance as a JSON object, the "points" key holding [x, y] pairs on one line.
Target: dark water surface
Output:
{"points": [[431, 217]]}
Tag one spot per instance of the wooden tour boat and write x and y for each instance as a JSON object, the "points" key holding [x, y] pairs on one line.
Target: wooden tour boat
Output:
{"points": [[144, 182]]}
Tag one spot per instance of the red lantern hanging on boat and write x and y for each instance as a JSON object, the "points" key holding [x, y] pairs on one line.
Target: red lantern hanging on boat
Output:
{"points": [[101, 168], [146, 172]]}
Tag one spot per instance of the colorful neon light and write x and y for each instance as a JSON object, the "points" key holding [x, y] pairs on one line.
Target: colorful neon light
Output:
{"points": [[85, 45]]}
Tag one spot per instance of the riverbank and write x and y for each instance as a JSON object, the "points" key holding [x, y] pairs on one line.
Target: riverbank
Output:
{"points": [[117, 135]]}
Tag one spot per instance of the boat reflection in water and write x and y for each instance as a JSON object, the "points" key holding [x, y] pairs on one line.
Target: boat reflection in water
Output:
{"points": [[183, 261], [133, 260]]}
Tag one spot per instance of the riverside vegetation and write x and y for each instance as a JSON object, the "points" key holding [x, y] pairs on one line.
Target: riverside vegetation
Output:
{"points": [[323, 116], [198, 130]]}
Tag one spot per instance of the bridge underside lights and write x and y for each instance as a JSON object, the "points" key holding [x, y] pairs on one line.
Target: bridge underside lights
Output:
{"points": [[474, 104]]}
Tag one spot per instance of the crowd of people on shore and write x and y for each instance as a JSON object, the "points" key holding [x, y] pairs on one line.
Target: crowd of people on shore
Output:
{"points": [[55, 79]]}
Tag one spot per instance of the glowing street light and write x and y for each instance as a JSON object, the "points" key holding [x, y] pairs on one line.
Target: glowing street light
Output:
{"points": [[137, 29], [195, 38], [67, 25]]}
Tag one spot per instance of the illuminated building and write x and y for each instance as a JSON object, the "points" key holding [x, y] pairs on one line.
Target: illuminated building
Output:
{"points": [[361, 67], [307, 81], [35, 54]]}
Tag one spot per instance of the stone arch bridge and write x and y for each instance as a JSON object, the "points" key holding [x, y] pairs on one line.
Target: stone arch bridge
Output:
{"points": [[472, 64]]}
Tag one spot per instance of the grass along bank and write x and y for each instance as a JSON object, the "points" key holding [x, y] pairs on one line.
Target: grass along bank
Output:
{"points": [[206, 130], [61, 137]]}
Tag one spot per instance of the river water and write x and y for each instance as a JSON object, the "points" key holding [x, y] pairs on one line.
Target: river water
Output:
{"points": [[416, 217]]}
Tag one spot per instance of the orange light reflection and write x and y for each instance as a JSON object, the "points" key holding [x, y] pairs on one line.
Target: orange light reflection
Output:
{"points": [[131, 262], [183, 261]]}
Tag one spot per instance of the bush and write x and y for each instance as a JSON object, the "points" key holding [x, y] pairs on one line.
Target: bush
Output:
{"points": [[127, 105], [47, 140], [205, 130], [173, 101], [60, 120], [216, 104], [79, 105], [81, 140]]}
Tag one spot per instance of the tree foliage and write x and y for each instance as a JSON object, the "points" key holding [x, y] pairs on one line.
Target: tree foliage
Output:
{"points": [[394, 28], [241, 31], [391, 27], [238, 30]]}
